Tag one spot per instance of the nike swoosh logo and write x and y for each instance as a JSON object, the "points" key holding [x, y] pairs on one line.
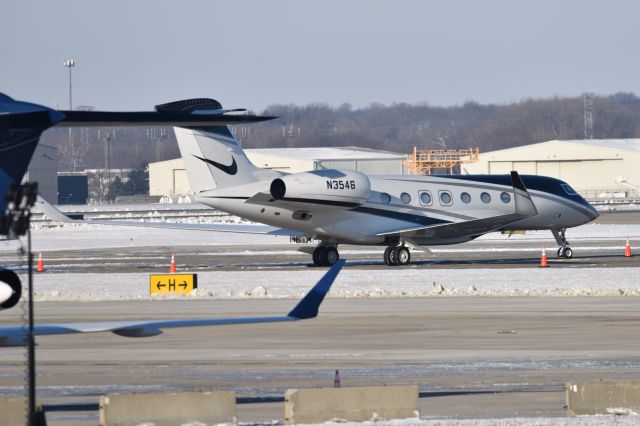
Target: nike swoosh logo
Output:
{"points": [[231, 169]]}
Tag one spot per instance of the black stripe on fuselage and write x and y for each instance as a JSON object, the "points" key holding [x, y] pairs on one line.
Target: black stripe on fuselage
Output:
{"points": [[299, 200], [406, 217], [322, 202], [390, 214]]}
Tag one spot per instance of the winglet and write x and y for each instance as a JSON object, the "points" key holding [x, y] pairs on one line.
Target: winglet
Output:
{"points": [[308, 306], [522, 198]]}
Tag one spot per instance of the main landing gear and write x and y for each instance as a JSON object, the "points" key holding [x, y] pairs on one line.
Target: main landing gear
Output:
{"points": [[397, 256], [564, 251], [325, 255]]}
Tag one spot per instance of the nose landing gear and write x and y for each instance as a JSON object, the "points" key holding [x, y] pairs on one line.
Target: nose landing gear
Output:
{"points": [[564, 251], [397, 256]]}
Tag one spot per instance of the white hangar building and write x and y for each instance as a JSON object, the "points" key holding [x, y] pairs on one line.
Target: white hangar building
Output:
{"points": [[593, 167], [170, 177]]}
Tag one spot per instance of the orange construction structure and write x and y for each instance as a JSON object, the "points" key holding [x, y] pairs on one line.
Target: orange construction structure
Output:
{"points": [[423, 162]]}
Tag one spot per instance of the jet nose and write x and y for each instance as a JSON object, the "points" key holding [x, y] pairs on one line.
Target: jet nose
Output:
{"points": [[590, 213]]}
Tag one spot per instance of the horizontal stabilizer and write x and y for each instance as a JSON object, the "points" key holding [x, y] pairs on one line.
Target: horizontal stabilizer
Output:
{"points": [[196, 106], [152, 118]]}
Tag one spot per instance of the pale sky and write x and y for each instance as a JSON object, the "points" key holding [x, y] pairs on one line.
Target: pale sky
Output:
{"points": [[131, 55]]}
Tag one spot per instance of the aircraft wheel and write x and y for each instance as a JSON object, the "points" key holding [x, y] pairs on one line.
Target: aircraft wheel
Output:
{"points": [[402, 255], [329, 256], [561, 252], [568, 253], [389, 258], [317, 255]]}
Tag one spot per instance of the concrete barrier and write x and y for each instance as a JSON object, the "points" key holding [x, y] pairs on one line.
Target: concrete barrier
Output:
{"points": [[352, 404], [168, 408], [603, 397], [13, 411]]}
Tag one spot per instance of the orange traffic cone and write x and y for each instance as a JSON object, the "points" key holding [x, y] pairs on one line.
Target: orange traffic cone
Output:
{"points": [[172, 265], [336, 380], [40, 267], [543, 258], [627, 249]]}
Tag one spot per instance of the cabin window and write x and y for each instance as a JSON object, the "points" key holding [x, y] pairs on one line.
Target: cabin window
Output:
{"points": [[406, 198], [445, 198], [485, 197], [569, 190], [505, 197], [425, 198], [465, 197], [385, 198]]}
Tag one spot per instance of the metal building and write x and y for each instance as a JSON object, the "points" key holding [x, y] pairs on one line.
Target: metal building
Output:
{"points": [[170, 177], [295, 160], [73, 189], [593, 167], [43, 169]]}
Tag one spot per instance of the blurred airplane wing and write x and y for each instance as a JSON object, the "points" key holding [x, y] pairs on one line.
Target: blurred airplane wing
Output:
{"points": [[151, 118], [307, 308]]}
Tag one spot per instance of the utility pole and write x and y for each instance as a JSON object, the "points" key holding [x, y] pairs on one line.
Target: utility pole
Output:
{"points": [[70, 63], [288, 134], [588, 115], [158, 135]]}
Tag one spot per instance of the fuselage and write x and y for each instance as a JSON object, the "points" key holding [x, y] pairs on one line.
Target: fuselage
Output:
{"points": [[398, 202]]}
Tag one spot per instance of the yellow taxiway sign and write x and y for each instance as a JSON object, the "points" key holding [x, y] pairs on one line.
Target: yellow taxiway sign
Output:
{"points": [[173, 283]]}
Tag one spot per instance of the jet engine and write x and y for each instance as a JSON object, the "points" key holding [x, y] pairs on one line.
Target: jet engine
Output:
{"points": [[10, 289], [342, 188]]}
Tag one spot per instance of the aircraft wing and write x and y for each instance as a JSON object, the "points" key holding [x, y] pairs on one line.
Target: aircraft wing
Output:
{"points": [[307, 308], [54, 214], [524, 207]]}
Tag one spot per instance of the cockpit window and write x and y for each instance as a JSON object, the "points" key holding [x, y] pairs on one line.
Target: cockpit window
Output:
{"points": [[569, 190]]}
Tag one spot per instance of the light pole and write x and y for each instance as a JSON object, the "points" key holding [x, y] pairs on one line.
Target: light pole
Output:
{"points": [[70, 63]]}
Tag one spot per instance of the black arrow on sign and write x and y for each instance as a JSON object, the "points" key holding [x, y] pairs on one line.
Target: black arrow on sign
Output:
{"points": [[160, 285], [184, 285]]}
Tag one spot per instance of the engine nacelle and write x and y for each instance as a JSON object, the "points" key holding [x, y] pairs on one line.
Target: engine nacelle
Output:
{"points": [[343, 188]]}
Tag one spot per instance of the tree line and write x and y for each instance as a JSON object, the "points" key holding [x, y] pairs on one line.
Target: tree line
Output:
{"points": [[397, 127]]}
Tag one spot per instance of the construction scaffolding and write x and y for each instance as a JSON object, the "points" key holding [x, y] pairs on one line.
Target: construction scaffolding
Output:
{"points": [[424, 162]]}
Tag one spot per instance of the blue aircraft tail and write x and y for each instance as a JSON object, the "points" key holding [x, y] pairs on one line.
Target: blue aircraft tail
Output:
{"points": [[21, 124]]}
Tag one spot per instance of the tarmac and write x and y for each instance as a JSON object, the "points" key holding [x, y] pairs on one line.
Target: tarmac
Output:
{"points": [[485, 357], [476, 357]]}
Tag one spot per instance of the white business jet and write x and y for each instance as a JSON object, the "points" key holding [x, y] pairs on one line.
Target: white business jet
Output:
{"points": [[337, 207]]}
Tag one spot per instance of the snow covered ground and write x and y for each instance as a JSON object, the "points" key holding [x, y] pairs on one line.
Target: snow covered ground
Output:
{"points": [[405, 282], [52, 236], [396, 282], [521, 421]]}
